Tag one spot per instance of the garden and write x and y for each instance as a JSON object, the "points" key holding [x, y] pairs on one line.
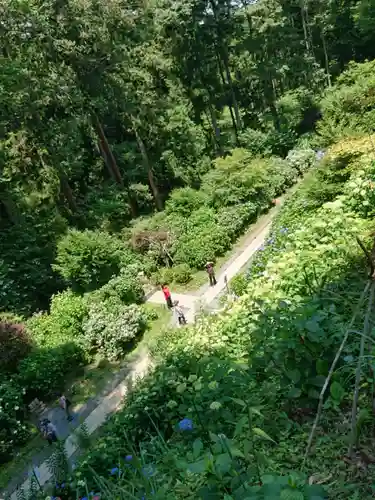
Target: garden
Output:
{"points": [[138, 142], [229, 408]]}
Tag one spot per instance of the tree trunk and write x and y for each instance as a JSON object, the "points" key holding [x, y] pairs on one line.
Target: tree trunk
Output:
{"points": [[326, 59], [302, 7], [106, 151], [67, 191], [65, 188], [215, 128], [229, 105], [146, 162], [225, 59], [9, 208]]}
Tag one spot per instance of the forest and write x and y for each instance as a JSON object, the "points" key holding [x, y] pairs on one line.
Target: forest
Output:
{"points": [[139, 140]]}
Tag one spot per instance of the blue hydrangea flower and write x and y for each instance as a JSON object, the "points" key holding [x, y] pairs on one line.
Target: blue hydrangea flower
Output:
{"points": [[114, 471], [186, 424]]}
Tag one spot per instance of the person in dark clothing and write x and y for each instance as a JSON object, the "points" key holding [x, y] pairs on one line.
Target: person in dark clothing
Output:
{"points": [[211, 273], [65, 404], [167, 296], [48, 430]]}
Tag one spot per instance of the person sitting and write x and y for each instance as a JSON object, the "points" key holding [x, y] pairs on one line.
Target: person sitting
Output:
{"points": [[48, 431]]}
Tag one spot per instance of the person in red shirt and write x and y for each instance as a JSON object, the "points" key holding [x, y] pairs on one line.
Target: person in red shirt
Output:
{"points": [[167, 296]]}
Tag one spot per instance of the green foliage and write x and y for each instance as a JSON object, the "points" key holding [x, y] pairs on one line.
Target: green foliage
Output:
{"points": [[62, 324], [182, 274], [184, 201], [349, 106], [359, 194], [108, 209], [238, 285], [112, 328], [58, 463], [26, 254], [13, 431], [238, 179], [236, 218], [202, 244], [301, 159], [89, 259], [43, 373], [15, 344], [126, 287]]}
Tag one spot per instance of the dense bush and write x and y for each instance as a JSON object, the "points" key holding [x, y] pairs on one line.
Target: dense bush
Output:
{"points": [[27, 251], [238, 178], [359, 193], [196, 247], [15, 344], [89, 259], [238, 285], [182, 273], [235, 219], [63, 323], [111, 328], [13, 431], [127, 287], [43, 373], [301, 159], [349, 106], [184, 201], [107, 208]]}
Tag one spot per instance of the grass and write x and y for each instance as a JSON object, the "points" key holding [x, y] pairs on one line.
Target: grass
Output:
{"points": [[22, 459], [93, 381], [162, 321]]}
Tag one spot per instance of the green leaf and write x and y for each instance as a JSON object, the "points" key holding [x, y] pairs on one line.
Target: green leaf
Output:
{"points": [[235, 452], [291, 494], [240, 425], [262, 434], [223, 463], [198, 467], [313, 394], [197, 448], [295, 392], [337, 392], [239, 402], [322, 367], [294, 375], [312, 326]]}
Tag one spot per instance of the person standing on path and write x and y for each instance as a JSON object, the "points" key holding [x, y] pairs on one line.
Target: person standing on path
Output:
{"points": [[65, 404], [167, 296], [211, 273], [179, 313]]}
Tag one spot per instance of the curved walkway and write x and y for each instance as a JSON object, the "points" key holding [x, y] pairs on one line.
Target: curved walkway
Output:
{"points": [[205, 298]]}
